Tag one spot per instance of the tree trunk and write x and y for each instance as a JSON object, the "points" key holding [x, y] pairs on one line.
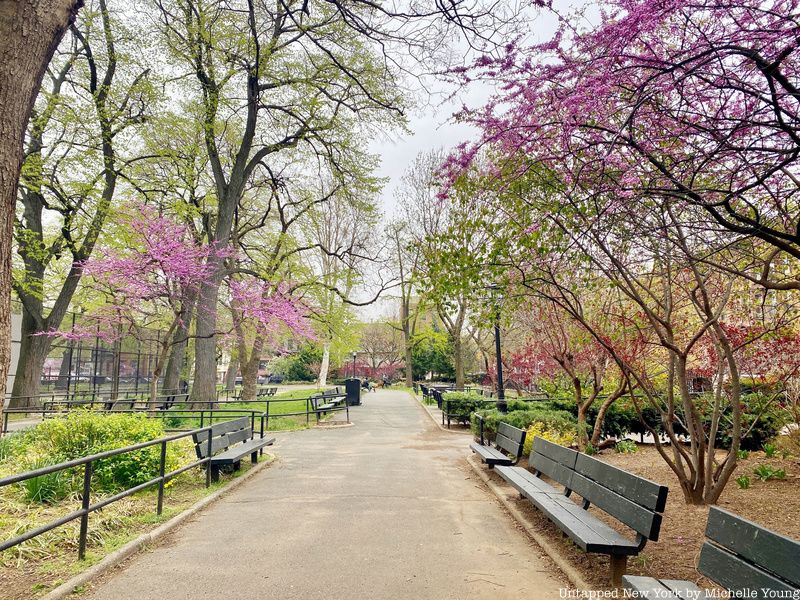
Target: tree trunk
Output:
{"points": [[458, 359], [204, 389], [177, 355], [30, 31], [33, 352], [65, 368], [409, 370], [324, 364], [230, 374], [172, 374], [250, 375]]}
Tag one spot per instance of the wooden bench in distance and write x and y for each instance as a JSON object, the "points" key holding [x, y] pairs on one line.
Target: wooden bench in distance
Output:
{"points": [[226, 436], [508, 439], [631, 500], [739, 555], [327, 401]]}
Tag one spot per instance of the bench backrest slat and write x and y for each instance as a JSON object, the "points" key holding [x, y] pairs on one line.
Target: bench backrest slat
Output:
{"points": [[557, 462], [732, 572], [637, 489], [223, 435], [635, 516], [758, 548], [510, 439]]}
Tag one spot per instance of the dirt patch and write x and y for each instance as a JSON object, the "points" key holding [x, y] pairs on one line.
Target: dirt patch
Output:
{"points": [[773, 504]]}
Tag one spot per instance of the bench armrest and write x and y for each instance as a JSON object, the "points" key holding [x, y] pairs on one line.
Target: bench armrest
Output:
{"points": [[480, 425]]}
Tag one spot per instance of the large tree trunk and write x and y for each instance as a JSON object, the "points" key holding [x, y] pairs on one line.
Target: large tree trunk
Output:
{"points": [[172, 374], [230, 374], [180, 342], [204, 389], [33, 352], [322, 381], [458, 359], [30, 31]]}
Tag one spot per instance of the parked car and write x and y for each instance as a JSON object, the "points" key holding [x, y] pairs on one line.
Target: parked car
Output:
{"points": [[275, 379]]}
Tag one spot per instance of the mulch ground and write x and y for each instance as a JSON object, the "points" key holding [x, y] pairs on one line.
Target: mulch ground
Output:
{"points": [[773, 504]]}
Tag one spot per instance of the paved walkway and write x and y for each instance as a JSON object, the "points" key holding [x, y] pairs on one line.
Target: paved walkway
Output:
{"points": [[384, 509]]}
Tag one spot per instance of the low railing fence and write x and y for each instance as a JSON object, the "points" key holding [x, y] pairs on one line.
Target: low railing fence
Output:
{"points": [[205, 411], [87, 507]]}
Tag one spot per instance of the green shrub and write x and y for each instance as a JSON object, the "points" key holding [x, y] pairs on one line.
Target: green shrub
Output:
{"points": [[626, 447], [620, 418], [762, 420], [553, 420], [743, 482], [743, 454], [562, 437], [82, 433]]}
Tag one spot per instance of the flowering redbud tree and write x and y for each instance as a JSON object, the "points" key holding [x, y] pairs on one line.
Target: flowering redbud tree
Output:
{"points": [[264, 311], [147, 283]]}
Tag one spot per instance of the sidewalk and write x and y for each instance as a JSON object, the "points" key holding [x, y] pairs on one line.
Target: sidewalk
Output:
{"points": [[384, 509]]}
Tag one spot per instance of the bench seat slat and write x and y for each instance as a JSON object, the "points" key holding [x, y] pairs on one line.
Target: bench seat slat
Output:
{"points": [[647, 587], [236, 453], [491, 456], [771, 551], [526, 482], [684, 589], [587, 531], [667, 589], [732, 572]]}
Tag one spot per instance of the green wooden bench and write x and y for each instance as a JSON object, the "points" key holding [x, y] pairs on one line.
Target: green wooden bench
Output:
{"points": [[508, 439], [741, 556], [236, 440], [633, 501]]}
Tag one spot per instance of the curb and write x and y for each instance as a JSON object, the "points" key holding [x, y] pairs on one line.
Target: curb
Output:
{"points": [[67, 588], [424, 407], [561, 561]]}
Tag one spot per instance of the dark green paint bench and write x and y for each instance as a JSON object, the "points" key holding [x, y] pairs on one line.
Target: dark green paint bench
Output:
{"points": [[739, 555], [633, 501], [226, 436], [508, 439], [327, 401]]}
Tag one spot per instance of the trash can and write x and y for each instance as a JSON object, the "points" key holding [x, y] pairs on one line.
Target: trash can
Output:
{"points": [[352, 388]]}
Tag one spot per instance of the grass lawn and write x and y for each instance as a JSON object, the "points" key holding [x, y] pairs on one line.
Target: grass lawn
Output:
{"points": [[281, 417]]}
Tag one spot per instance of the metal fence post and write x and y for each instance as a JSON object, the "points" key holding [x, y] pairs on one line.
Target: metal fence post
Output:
{"points": [[87, 487], [161, 471]]}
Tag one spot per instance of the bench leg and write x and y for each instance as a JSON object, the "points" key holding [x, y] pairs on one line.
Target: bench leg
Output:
{"points": [[618, 566], [254, 457], [237, 465], [214, 473]]}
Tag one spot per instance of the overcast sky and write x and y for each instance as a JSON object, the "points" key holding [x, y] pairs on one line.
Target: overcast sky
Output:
{"points": [[432, 127]]}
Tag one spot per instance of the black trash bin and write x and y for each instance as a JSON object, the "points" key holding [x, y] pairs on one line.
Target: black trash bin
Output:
{"points": [[352, 388]]}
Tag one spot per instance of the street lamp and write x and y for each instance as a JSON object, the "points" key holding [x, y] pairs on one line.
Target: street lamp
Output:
{"points": [[502, 405], [354, 365]]}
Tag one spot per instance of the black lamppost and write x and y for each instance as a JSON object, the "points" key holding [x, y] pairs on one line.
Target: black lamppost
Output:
{"points": [[354, 365], [502, 405]]}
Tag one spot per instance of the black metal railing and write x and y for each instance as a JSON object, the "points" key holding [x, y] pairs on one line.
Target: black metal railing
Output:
{"points": [[87, 507]]}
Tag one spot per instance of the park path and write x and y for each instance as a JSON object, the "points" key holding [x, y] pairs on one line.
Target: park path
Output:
{"points": [[384, 509]]}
